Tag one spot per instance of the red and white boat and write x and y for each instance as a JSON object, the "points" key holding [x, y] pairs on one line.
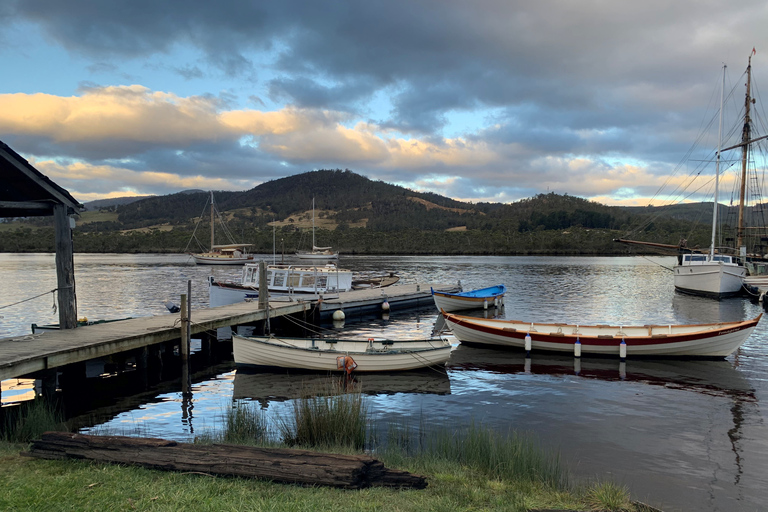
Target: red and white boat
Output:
{"points": [[695, 340]]}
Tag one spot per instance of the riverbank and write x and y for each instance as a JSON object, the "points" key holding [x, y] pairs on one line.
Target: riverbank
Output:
{"points": [[32, 484]]}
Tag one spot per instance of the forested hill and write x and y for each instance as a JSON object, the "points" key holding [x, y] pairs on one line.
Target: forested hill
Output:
{"points": [[357, 215]]}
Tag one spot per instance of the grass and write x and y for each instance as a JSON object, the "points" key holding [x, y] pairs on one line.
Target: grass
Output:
{"points": [[470, 468], [29, 420], [327, 418]]}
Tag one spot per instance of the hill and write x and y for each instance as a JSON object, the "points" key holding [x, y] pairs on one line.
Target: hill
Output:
{"points": [[357, 215]]}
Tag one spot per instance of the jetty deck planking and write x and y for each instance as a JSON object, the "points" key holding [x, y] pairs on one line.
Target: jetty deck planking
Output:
{"points": [[26, 354]]}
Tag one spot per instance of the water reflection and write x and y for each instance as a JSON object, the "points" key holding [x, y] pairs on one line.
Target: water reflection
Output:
{"points": [[716, 378], [279, 386]]}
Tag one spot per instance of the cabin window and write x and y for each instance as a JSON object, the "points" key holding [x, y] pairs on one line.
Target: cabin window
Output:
{"points": [[322, 281], [293, 280], [269, 277], [308, 281], [279, 278], [249, 275]]}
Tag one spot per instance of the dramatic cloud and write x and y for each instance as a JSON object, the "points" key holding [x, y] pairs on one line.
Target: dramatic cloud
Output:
{"points": [[492, 100]]}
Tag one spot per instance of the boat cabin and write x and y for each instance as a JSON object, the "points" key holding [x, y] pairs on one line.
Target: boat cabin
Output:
{"points": [[701, 259], [302, 278]]}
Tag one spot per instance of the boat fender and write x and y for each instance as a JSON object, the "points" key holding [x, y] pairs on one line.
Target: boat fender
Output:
{"points": [[623, 350], [527, 345], [346, 363], [339, 315], [385, 306], [577, 348]]}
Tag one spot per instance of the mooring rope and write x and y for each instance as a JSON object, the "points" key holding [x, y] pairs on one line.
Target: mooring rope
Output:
{"points": [[33, 298]]}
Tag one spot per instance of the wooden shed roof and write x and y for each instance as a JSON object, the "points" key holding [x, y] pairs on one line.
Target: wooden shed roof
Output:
{"points": [[25, 191]]}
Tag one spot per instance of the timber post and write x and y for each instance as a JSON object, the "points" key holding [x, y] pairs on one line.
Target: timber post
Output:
{"points": [[65, 267], [264, 293]]}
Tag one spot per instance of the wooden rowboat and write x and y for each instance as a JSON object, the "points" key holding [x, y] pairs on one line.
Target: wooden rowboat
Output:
{"points": [[331, 354], [696, 340], [482, 298]]}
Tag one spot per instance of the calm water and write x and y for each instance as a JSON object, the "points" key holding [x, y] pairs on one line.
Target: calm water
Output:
{"points": [[681, 435]]}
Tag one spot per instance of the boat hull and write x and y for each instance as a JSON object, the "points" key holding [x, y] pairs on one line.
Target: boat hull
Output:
{"points": [[317, 256], [220, 260], [321, 355], [702, 340], [476, 299], [712, 279]]}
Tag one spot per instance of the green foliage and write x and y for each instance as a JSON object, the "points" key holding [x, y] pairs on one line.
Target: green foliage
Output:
{"points": [[28, 420], [609, 496], [333, 418]]}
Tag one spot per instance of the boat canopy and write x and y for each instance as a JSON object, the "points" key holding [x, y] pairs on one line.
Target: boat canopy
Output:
{"points": [[230, 246]]}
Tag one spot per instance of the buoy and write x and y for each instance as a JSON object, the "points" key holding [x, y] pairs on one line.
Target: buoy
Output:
{"points": [[623, 350], [385, 306], [527, 345], [485, 304], [339, 315], [577, 349]]}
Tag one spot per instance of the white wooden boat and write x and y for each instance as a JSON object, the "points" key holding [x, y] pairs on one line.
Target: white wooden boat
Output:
{"points": [[231, 254], [340, 355], [292, 280], [717, 276], [695, 340], [482, 298], [317, 253], [227, 254]]}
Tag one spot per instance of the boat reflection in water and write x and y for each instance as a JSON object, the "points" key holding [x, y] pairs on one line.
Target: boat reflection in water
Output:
{"points": [[716, 378], [280, 386]]}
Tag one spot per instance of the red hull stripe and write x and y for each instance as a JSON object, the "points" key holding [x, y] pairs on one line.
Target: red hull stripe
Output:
{"points": [[570, 339]]}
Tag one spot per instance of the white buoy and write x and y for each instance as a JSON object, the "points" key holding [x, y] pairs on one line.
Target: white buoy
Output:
{"points": [[527, 345], [485, 304], [385, 306], [623, 350], [339, 315], [577, 349]]}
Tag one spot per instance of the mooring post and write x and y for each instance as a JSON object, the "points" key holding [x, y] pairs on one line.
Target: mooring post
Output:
{"points": [[184, 346], [264, 293], [65, 268]]}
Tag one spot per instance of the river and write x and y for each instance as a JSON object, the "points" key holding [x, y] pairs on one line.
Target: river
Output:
{"points": [[682, 435]]}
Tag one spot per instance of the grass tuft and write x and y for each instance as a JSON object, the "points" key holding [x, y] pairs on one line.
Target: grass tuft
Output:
{"points": [[332, 417], [609, 496], [29, 420]]}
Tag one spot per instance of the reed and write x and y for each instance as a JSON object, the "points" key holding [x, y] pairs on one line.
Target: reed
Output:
{"points": [[29, 420], [609, 496], [245, 424], [333, 417], [512, 457]]}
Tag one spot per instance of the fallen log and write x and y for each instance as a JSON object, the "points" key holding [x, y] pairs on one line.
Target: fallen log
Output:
{"points": [[275, 464]]}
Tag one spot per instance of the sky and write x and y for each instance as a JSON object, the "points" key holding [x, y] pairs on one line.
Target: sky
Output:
{"points": [[489, 100]]}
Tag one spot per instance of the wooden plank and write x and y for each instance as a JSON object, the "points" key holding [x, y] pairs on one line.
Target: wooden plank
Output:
{"points": [[275, 464], [26, 354]]}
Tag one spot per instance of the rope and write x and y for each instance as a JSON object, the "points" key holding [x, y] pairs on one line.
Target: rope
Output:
{"points": [[32, 298]]}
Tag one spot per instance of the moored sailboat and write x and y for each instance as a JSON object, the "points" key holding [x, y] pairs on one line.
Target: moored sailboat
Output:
{"points": [[227, 254], [317, 253]]}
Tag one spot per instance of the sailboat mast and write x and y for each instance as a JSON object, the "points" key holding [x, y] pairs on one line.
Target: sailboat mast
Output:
{"points": [[313, 223], [745, 134], [211, 220], [717, 170]]}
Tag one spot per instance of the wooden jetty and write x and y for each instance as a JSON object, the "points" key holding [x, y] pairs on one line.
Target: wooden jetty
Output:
{"points": [[24, 355], [28, 354]]}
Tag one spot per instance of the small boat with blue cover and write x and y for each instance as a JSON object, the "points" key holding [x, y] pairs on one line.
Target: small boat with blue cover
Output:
{"points": [[493, 296]]}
